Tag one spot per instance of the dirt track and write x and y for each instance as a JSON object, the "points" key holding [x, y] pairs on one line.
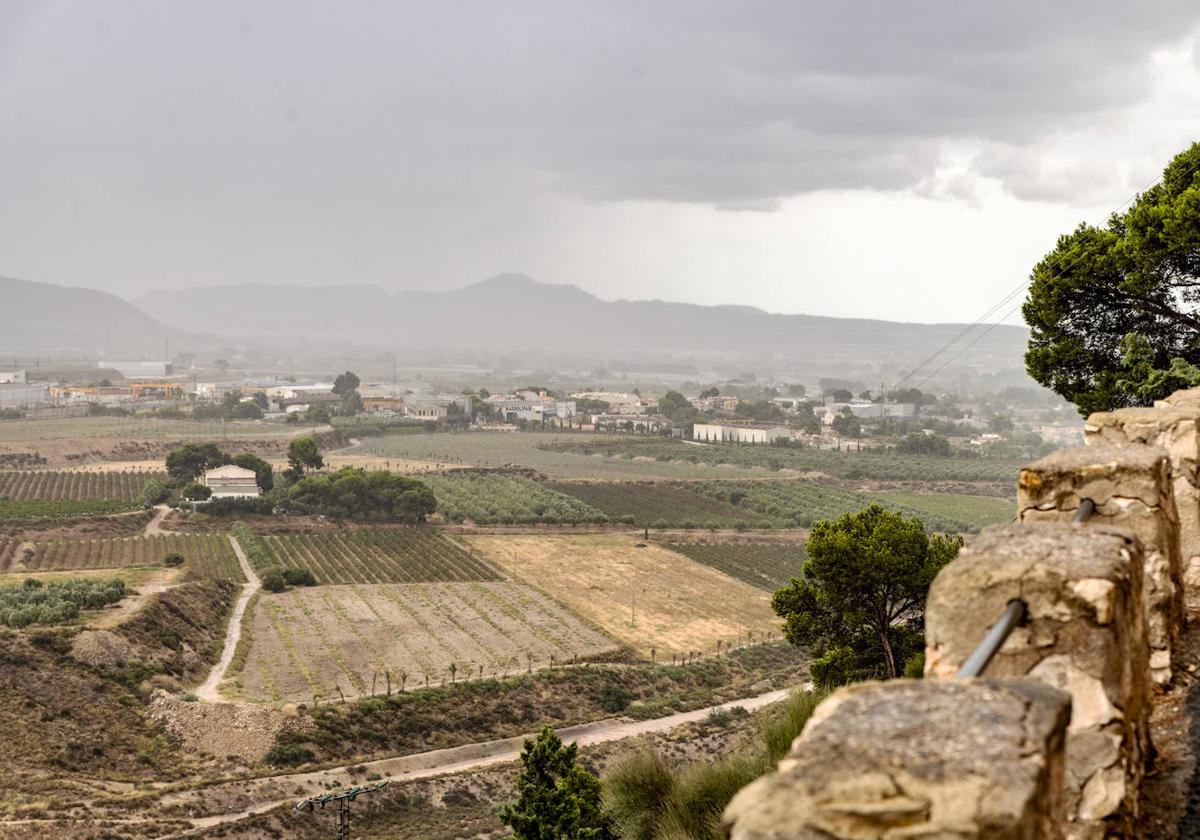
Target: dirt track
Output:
{"points": [[233, 634], [264, 792]]}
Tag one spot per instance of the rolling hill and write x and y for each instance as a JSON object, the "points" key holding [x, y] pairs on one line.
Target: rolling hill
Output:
{"points": [[512, 313]]}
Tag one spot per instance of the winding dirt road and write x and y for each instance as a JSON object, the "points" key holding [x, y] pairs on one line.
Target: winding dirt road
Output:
{"points": [[233, 634], [442, 762]]}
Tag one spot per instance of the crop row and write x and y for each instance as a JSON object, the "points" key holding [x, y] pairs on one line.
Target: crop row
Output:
{"points": [[490, 498], [408, 555], [649, 505], [68, 485], [767, 566], [207, 556], [37, 509], [867, 464], [800, 503]]}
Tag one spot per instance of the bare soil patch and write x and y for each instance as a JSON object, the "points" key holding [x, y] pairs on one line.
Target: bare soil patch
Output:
{"points": [[639, 593], [313, 642]]}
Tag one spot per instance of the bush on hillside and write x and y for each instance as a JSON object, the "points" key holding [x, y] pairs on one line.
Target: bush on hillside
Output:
{"points": [[295, 576], [173, 559]]}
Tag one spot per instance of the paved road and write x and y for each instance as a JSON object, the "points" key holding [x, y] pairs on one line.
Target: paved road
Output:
{"points": [[208, 691]]}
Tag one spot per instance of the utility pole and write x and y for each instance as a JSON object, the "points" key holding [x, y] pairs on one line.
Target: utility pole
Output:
{"points": [[343, 799]]}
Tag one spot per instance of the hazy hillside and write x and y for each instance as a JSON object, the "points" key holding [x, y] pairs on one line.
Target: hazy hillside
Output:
{"points": [[41, 317], [512, 313]]}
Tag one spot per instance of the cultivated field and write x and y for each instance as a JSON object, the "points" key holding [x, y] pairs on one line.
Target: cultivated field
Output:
{"points": [[866, 464], [765, 565], [490, 498], [676, 605], [501, 449], [208, 556], [661, 504], [74, 486], [314, 641], [38, 509], [975, 511], [384, 555], [138, 427]]}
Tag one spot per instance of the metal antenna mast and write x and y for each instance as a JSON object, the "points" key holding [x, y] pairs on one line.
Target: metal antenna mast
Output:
{"points": [[343, 799]]}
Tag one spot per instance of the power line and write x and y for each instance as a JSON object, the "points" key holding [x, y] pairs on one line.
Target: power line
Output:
{"points": [[1019, 288]]}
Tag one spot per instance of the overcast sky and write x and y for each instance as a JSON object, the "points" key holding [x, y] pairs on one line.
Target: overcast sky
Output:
{"points": [[905, 160]]}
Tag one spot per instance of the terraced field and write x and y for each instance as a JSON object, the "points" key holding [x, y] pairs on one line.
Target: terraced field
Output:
{"points": [[767, 566], [38, 509], [68, 485], [206, 556], [312, 642], [384, 555]]}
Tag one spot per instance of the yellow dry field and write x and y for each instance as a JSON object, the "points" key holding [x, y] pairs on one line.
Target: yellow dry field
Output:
{"points": [[676, 605]]}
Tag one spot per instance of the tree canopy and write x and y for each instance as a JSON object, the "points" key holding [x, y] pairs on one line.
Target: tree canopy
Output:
{"points": [[354, 493], [346, 382], [303, 454], [187, 462], [556, 798], [1114, 311], [675, 406], [860, 604]]}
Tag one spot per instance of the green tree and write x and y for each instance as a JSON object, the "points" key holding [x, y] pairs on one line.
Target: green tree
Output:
{"points": [[675, 406], [195, 492], [840, 395], [847, 424], [187, 462], [354, 493], [345, 383], [264, 473], [303, 455], [860, 605], [556, 798], [352, 404], [1113, 310]]}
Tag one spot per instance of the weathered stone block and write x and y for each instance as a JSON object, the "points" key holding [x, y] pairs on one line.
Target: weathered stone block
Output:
{"points": [[917, 758], [1174, 427], [1132, 488], [1084, 633]]}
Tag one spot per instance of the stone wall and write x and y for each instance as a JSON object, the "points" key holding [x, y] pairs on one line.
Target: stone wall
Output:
{"points": [[1054, 741]]}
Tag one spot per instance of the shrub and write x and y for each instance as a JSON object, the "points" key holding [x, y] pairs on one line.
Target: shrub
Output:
{"points": [[614, 699], [156, 491], [288, 755], [173, 559], [298, 576], [274, 581]]}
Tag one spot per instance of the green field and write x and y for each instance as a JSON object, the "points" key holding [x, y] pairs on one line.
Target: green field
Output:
{"points": [[535, 450], [767, 566], [385, 555], [975, 511], [663, 504], [54, 485], [854, 465], [497, 498], [37, 509]]}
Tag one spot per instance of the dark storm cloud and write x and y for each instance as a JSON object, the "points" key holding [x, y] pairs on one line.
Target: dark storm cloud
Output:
{"points": [[731, 103]]}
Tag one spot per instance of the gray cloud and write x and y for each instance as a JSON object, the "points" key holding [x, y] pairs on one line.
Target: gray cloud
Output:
{"points": [[146, 143], [691, 100]]}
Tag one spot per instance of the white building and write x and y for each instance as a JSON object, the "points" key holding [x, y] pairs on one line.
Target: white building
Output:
{"points": [[740, 432], [12, 377], [231, 482], [16, 395], [868, 411]]}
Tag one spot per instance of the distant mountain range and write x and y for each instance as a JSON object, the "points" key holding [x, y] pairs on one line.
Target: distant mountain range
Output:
{"points": [[39, 317], [506, 314], [512, 313]]}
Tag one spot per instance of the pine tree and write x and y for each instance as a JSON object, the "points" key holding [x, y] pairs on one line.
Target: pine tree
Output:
{"points": [[556, 798]]}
